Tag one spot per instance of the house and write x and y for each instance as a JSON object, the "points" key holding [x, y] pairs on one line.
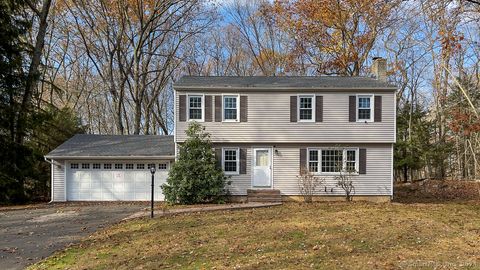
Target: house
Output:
{"points": [[264, 131]]}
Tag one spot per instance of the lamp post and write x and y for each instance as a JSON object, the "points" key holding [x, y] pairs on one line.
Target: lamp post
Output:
{"points": [[152, 171]]}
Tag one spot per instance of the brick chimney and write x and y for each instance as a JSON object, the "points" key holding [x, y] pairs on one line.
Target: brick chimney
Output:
{"points": [[379, 68]]}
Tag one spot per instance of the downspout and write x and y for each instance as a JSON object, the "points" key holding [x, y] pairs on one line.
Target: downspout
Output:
{"points": [[51, 178], [52, 163]]}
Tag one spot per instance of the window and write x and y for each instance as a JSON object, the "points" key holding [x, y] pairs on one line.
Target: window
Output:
{"points": [[85, 166], [351, 161], [162, 166], [140, 166], [195, 107], [107, 166], [149, 166], [332, 161], [96, 166], [74, 166], [230, 160], [118, 166], [313, 161], [364, 105], [230, 108], [305, 108], [129, 166]]}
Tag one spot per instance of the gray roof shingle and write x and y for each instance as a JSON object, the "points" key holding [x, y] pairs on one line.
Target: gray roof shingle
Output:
{"points": [[290, 82], [89, 145]]}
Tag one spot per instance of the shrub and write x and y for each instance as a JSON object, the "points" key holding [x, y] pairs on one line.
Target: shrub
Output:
{"points": [[195, 176], [308, 184]]}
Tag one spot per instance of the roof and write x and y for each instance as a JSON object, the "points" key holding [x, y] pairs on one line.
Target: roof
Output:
{"points": [[279, 83], [89, 145]]}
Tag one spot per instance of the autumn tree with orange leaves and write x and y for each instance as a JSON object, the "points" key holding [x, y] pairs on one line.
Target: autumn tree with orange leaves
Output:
{"points": [[332, 36]]}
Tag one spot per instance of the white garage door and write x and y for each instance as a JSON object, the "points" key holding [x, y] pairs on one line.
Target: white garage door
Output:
{"points": [[115, 181]]}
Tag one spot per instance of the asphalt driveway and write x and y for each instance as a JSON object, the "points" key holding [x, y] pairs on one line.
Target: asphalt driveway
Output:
{"points": [[28, 235]]}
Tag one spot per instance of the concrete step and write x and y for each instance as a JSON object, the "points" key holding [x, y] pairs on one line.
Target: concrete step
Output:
{"points": [[264, 195]]}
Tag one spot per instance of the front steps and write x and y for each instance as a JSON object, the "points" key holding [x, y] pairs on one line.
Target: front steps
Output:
{"points": [[264, 195]]}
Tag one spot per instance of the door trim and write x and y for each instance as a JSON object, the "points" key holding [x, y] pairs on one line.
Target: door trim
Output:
{"points": [[252, 167]]}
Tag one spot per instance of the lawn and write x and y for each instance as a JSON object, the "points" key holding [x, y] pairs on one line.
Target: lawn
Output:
{"points": [[292, 236]]}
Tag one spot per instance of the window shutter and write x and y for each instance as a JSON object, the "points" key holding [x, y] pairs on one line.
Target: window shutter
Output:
{"points": [[303, 159], [243, 108], [378, 109], [182, 108], [352, 108], [362, 167], [319, 109], [293, 108], [218, 108], [243, 161], [208, 108], [218, 156]]}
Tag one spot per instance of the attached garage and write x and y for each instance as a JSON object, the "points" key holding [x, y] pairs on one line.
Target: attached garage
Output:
{"points": [[110, 168]]}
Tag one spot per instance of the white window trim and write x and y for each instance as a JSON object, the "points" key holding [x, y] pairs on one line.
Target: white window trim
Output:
{"points": [[237, 172], [372, 107], [238, 108], [314, 103], [203, 107], [344, 161]]}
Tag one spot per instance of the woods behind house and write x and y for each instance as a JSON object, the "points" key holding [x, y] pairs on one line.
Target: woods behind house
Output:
{"points": [[72, 66]]}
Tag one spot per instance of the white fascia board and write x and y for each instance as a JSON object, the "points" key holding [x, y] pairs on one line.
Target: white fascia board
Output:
{"points": [[112, 157]]}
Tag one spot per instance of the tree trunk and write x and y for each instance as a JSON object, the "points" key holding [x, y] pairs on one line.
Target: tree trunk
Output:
{"points": [[33, 73]]}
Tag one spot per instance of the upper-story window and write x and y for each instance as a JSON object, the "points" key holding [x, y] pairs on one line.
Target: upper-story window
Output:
{"points": [[195, 107], [365, 108], [306, 108], [230, 108]]}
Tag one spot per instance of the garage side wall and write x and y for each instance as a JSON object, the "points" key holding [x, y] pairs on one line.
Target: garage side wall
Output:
{"points": [[58, 181]]}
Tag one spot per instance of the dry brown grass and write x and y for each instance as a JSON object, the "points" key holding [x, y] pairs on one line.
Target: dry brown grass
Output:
{"points": [[292, 236]]}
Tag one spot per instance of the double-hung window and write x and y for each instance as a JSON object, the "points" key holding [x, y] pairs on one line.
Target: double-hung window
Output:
{"points": [[365, 108], [230, 108], [306, 112], [195, 107], [230, 160], [333, 161]]}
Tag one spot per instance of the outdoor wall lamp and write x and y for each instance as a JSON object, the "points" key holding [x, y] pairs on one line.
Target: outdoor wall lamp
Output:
{"points": [[152, 171]]}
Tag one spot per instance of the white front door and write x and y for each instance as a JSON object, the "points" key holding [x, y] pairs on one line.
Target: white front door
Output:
{"points": [[262, 167]]}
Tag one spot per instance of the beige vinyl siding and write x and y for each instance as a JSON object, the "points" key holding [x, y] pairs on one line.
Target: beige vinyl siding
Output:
{"points": [[377, 180], [286, 164], [58, 181], [241, 182], [269, 121]]}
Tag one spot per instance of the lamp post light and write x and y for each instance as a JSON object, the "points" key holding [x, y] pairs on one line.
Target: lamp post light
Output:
{"points": [[152, 171]]}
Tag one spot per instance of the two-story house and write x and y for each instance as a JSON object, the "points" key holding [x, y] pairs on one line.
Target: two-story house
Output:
{"points": [[265, 130]]}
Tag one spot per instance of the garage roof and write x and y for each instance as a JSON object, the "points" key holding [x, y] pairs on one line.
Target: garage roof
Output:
{"points": [[115, 146], [279, 83]]}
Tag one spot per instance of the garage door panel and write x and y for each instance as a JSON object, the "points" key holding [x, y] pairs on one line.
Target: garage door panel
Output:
{"points": [[114, 184]]}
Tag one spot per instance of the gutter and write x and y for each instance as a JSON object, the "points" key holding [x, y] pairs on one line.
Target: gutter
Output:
{"points": [[216, 88], [110, 157]]}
